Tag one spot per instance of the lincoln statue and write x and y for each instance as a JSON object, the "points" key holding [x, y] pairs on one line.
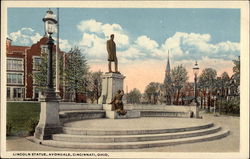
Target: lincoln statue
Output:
{"points": [[111, 49]]}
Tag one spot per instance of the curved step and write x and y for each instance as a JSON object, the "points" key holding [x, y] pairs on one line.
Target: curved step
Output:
{"points": [[133, 138], [135, 145], [82, 131], [163, 113], [74, 115]]}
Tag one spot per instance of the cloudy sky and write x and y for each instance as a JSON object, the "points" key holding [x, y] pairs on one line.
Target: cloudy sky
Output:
{"points": [[143, 37]]}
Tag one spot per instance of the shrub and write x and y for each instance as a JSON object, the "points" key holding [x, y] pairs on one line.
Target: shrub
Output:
{"points": [[19, 113], [231, 106], [9, 127], [31, 125]]}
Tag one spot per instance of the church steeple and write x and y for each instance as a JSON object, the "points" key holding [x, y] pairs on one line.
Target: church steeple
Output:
{"points": [[168, 65], [167, 72]]}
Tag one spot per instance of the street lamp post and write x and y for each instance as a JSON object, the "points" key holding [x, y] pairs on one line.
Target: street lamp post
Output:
{"points": [[50, 23], [49, 116], [96, 89], [214, 104], [196, 71]]}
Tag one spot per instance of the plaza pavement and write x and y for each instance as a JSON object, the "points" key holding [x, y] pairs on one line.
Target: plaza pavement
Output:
{"points": [[227, 144]]}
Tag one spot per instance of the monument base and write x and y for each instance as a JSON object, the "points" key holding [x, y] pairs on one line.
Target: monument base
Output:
{"points": [[49, 120], [111, 83], [44, 132], [114, 115], [130, 114]]}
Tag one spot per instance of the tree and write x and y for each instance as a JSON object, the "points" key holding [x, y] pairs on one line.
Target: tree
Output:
{"points": [[134, 96], [179, 78], [236, 68], [236, 76], [206, 82], [152, 90], [167, 88], [40, 76], [41, 66], [225, 81], [94, 85], [76, 70]]}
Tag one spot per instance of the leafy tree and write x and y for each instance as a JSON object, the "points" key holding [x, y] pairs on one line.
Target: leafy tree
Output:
{"points": [[236, 75], [236, 68], [152, 90], [206, 82], [179, 77], [231, 106], [134, 96], [94, 85], [225, 81], [40, 74], [76, 69], [168, 92]]}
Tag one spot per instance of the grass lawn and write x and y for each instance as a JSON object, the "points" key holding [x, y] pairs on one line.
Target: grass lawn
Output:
{"points": [[19, 113]]}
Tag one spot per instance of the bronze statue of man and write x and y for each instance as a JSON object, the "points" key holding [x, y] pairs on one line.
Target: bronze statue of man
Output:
{"points": [[111, 49]]}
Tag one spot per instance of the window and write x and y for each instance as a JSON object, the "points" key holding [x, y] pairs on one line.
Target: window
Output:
{"points": [[15, 64], [35, 74], [44, 48], [36, 93], [14, 78], [8, 92], [36, 62], [18, 93]]}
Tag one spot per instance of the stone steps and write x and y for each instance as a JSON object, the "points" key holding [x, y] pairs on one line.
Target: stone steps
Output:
{"points": [[133, 138], [136, 145], [130, 136], [83, 131]]}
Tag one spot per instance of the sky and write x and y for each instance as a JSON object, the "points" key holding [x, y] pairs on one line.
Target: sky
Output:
{"points": [[143, 36]]}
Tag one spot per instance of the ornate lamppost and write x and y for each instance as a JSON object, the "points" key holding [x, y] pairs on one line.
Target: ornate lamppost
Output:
{"points": [[49, 116], [196, 71], [50, 25], [214, 97]]}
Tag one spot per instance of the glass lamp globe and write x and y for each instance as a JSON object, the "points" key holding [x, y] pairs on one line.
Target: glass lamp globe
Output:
{"points": [[196, 69], [50, 22]]}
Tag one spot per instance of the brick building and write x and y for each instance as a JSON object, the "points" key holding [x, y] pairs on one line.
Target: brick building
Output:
{"points": [[16, 71], [22, 63], [33, 59]]}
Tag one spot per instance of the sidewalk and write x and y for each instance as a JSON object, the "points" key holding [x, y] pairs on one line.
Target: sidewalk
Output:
{"points": [[227, 144]]}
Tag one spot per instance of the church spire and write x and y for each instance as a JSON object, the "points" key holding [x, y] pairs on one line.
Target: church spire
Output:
{"points": [[168, 65], [167, 72]]}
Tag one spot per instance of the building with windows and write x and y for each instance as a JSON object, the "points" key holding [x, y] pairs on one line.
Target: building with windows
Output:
{"points": [[16, 71], [22, 63], [33, 61]]}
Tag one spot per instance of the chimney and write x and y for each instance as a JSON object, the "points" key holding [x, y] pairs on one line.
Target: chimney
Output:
{"points": [[8, 43]]}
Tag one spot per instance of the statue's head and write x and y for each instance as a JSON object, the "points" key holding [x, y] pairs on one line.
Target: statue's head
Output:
{"points": [[119, 91], [112, 36]]}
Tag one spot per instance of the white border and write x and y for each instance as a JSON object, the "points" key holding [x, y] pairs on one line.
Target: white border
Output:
{"points": [[244, 43]]}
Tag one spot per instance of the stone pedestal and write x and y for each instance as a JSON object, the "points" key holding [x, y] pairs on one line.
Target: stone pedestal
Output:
{"points": [[111, 83], [114, 115], [130, 114], [197, 115], [49, 122]]}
